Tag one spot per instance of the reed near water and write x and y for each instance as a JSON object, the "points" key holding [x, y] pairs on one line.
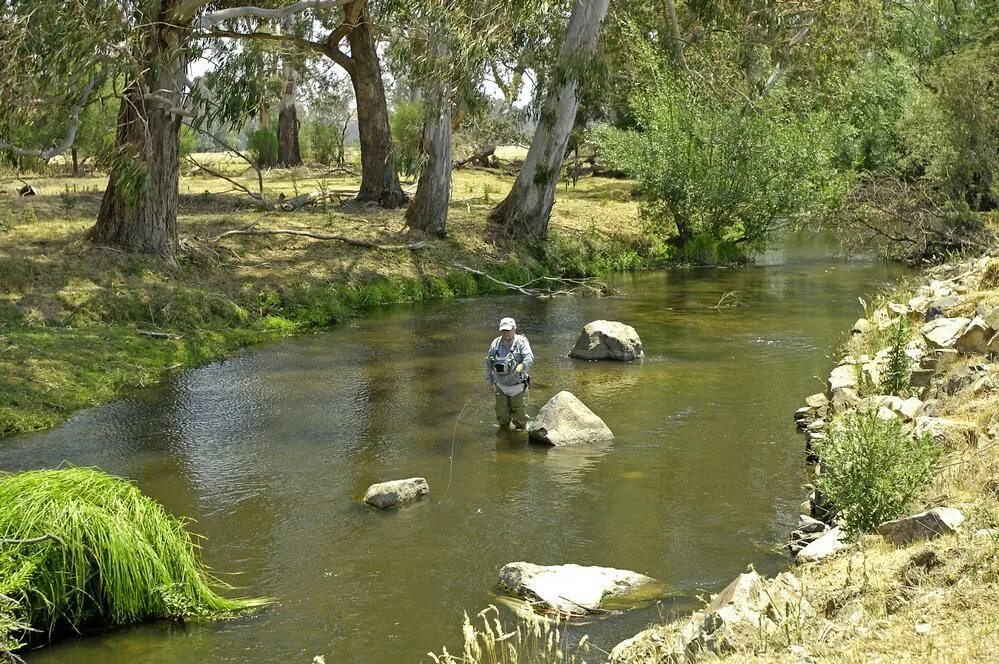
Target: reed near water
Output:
{"points": [[80, 548]]}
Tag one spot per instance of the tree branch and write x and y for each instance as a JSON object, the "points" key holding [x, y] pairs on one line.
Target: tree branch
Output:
{"points": [[322, 236], [219, 174], [70, 138], [270, 36], [212, 18]]}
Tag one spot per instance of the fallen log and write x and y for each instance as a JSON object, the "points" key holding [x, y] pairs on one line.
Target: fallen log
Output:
{"points": [[323, 236]]}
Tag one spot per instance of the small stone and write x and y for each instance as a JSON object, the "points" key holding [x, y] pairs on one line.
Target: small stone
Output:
{"points": [[922, 628], [807, 524], [861, 326]]}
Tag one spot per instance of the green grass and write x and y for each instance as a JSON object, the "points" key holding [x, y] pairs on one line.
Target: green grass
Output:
{"points": [[72, 315], [80, 548]]}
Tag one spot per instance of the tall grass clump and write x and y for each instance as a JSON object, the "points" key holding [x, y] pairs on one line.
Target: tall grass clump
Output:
{"points": [[872, 470], [895, 378], [530, 642], [79, 547]]}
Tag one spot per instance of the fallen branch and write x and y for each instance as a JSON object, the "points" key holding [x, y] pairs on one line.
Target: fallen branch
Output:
{"points": [[323, 236], [159, 335], [219, 174], [524, 289], [731, 295]]}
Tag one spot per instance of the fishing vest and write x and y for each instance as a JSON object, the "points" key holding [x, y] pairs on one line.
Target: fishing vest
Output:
{"points": [[502, 366]]}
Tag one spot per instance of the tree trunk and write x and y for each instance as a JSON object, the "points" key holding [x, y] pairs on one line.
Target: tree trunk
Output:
{"points": [[525, 212], [289, 148], [76, 163], [428, 212], [379, 181], [674, 30], [139, 209]]}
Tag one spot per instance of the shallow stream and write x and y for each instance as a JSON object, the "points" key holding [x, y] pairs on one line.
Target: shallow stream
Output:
{"points": [[270, 451]]}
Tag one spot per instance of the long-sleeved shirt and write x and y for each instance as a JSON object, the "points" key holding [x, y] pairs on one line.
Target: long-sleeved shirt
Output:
{"points": [[508, 356]]}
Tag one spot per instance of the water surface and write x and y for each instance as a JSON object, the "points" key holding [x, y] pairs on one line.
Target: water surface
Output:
{"points": [[271, 450]]}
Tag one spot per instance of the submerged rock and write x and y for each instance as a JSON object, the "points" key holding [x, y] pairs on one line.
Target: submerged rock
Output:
{"points": [[571, 589], [565, 421], [608, 340], [397, 492]]}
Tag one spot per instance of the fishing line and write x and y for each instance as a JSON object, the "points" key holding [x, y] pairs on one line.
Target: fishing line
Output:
{"points": [[454, 434]]}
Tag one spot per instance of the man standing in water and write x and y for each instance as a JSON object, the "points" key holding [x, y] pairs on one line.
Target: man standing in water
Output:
{"points": [[508, 362]]}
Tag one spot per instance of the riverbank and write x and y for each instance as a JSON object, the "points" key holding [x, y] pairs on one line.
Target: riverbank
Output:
{"points": [[81, 324], [922, 594]]}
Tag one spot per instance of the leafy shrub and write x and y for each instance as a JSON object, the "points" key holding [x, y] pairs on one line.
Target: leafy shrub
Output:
{"points": [[710, 166], [407, 134], [323, 142], [262, 146], [895, 378], [872, 470]]}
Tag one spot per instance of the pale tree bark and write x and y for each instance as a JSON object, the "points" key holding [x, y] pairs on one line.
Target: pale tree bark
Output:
{"points": [[525, 212], [139, 208], [289, 150], [674, 31], [379, 180], [428, 211]]}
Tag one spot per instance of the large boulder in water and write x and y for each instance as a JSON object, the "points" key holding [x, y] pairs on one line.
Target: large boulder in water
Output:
{"points": [[565, 421], [397, 492], [572, 589], [607, 340]]}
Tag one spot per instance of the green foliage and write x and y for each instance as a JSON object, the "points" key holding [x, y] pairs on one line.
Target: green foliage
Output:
{"points": [[872, 469], [105, 555], [322, 142], [895, 378], [871, 100], [951, 130], [188, 141], [407, 134], [708, 166], [262, 147]]}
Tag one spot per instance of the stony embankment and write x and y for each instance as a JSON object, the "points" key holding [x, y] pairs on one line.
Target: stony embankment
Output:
{"points": [[922, 365]]}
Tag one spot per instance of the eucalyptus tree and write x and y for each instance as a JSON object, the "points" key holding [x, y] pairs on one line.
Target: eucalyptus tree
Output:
{"points": [[526, 210], [352, 26], [57, 53]]}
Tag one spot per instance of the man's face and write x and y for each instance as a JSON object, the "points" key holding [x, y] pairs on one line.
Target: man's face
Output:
{"points": [[508, 334]]}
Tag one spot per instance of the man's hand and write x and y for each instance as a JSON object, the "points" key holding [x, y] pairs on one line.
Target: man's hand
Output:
{"points": [[520, 368], [490, 388]]}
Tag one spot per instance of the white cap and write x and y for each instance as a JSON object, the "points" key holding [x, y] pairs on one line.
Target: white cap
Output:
{"points": [[507, 324]]}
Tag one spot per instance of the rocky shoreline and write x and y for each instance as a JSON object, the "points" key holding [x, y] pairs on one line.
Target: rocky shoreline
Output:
{"points": [[944, 352]]}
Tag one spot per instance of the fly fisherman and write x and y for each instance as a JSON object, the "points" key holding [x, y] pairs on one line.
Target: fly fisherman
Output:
{"points": [[507, 365]]}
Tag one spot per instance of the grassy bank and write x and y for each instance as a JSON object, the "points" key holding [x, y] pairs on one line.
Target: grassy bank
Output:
{"points": [[80, 324], [81, 548]]}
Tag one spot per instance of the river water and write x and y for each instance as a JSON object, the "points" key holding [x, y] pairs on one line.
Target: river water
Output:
{"points": [[270, 451]]}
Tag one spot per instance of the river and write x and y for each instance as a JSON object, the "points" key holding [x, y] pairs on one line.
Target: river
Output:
{"points": [[270, 451]]}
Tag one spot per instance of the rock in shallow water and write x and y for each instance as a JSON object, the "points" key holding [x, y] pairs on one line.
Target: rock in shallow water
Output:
{"points": [[608, 340], [565, 421], [572, 589], [397, 492]]}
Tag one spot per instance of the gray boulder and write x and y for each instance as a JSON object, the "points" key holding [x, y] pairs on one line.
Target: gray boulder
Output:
{"points": [[925, 525], [608, 340], [831, 542], [569, 589], [975, 337], [397, 492], [565, 421], [944, 332]]}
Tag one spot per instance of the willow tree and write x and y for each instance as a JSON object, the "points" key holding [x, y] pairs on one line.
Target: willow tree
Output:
{"points": [[145, 44], [525, 212]]}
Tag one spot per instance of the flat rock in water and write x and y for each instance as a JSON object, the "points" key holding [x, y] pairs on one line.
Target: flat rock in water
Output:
{"points": [[565, 421], [825, 546], [572, 589], [925, 525], [397, 492], [608, 340]]}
